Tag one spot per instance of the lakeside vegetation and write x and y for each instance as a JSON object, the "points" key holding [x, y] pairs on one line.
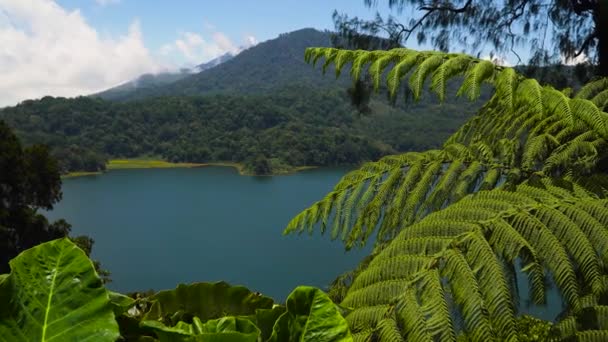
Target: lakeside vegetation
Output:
{"points": [[121, 164]]}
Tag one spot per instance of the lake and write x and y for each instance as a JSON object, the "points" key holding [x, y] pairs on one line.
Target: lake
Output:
{"points": [[155, 228]]}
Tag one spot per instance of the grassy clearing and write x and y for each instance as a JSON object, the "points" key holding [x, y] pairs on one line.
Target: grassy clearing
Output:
{"points": [[80, 174], [123, 164], [117, 164]]}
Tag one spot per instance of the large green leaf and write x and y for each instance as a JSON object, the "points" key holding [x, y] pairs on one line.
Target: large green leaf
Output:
{"points": [[266, 318], [120, 303], [226, 329], [54, 294], [311, 316], [205, 301]]}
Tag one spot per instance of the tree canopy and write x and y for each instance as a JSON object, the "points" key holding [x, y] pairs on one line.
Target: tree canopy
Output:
{"points": [[29, 180], [265, 133], [556, 30]]}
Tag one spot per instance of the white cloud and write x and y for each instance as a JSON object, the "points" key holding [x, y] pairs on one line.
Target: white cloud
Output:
{"points": [[197, 48], [251, 41], [47, 50], [582, 58], [106, 2]]}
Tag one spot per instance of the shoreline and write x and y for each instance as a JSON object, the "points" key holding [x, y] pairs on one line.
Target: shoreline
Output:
{"points": [[134, 164]]}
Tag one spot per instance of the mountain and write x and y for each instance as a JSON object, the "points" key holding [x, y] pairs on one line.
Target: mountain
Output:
{"points": [[264, 108], [150, 81], [144, 81], [260, 69], [214, 62]]}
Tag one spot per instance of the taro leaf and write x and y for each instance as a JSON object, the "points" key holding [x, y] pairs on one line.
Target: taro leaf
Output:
{"points": [[226, 329], [54, 294], [266, 318], [120, 303], [311, 316], [205, 301], [129, 312]]}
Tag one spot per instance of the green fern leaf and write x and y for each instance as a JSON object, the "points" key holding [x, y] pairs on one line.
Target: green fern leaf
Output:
{"points": [[419, 75], [474, 77]]}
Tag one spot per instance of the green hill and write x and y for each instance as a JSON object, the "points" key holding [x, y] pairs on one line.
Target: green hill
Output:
{"points": [[264, 108], [261, 69]]}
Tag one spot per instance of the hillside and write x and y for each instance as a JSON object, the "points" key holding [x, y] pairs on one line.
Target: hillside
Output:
{"points": [[264, 108], [145, 81], [150, 81], [269, 65]]}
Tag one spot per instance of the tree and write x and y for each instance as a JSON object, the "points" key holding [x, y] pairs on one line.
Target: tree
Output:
{"points": [[555, 29], [519, 189], [29, 180]]}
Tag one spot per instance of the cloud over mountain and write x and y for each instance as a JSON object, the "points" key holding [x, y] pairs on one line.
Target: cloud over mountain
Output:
{"points": [[47, 50]]}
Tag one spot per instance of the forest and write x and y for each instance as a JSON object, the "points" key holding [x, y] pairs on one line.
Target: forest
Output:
{"points": [[517, 191], [265, 133]]}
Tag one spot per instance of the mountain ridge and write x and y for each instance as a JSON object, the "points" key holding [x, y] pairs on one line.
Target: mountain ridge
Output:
{"points": [[278, 61]]}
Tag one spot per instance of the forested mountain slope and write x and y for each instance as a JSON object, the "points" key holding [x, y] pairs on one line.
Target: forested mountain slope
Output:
{"points": [[264, 108], [268, 66], [285, 129], [150, 81]]}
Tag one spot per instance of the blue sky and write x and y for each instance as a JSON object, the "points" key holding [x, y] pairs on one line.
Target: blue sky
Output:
{"points": [[162, 21], [79, 47]]}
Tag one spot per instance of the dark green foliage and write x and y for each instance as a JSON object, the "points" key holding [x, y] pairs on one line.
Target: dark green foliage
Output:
{"points": [[534, 330], [29, 180], [205, 301], [295, 126], [310, 316], [54, 294]]}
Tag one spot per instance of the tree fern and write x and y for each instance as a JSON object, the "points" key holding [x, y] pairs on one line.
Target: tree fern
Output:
{"points": [[460, 252], [403, 189], [519, 186]]}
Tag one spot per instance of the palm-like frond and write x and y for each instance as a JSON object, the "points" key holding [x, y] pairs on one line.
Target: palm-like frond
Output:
{"points": [[452, 264], [524, 130]]}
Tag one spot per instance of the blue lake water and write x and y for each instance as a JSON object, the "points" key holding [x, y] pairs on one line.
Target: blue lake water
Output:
{"points": [[155, 228]]}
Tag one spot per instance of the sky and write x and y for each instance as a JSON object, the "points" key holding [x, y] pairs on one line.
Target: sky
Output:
{"points": [[79, 47]]}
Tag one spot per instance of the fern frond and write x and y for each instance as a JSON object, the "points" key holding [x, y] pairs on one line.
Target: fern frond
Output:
{"points": [[389, 331], [330, 56], [586, 111], [469, 246], [591, 89], [557, 103], [529, 94], [452, 67], [342, 58], [601, 100], [376, 69], [506, 84], [478, 73], [419, 75], [398, 71]]}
